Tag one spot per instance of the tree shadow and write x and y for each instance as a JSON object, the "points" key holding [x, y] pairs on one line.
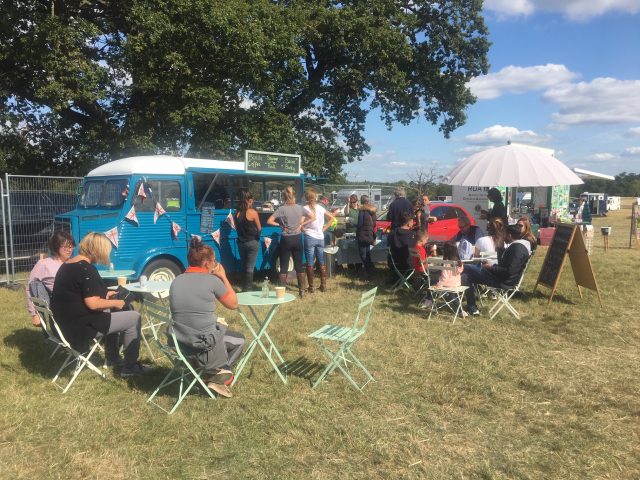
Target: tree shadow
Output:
{"points": [[303, 368], [34, 351]]}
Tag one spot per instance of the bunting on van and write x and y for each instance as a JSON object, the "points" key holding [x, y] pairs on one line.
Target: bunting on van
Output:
{"points": [[175, 228], [112, 235], [230, 220], [216, 236], [158, 212], [267, 242], [132, 216], [141, 192]]}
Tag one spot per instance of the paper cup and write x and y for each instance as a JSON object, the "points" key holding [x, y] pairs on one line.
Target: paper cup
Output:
{"points": [[122, 281], [280, 292]]}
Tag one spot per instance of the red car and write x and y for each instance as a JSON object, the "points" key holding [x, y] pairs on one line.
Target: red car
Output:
{"points": [[446, 225]]}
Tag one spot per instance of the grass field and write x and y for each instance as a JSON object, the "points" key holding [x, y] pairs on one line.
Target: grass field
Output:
{"points": [[554, 395]]}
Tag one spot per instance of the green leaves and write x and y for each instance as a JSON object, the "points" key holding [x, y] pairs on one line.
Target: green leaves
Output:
{"points": [[101, 80]]}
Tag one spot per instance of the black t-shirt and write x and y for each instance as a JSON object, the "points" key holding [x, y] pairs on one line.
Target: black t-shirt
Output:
{"points": [[396, 209], [498, 211], [73, 283]]}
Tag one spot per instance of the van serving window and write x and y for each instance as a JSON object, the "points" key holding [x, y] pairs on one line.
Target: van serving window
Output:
{"points": [[167, 192]]}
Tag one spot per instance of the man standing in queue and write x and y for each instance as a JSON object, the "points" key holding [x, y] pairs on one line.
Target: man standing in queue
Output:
{"points": [[396, 215]]}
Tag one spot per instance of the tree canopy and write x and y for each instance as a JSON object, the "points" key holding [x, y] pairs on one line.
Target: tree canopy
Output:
{"points": [[83, 82], [624, 185]]}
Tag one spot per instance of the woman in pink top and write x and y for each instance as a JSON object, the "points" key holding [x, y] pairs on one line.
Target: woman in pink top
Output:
{"points": [[61, 246]]}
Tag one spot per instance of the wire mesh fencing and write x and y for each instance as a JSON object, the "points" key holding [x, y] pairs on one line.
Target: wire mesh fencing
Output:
{"points": [[29, 206]]}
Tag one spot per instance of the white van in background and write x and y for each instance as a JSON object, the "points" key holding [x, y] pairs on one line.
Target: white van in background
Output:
{"points": [[613, 203]]}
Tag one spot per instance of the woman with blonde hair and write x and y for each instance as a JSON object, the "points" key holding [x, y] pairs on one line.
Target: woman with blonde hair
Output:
{"points": [[82, 307], [291, 217], [314, 238]]}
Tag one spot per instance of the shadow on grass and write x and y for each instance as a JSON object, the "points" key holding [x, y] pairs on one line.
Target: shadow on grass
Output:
{"points": [[34, 352], [303, 368]]}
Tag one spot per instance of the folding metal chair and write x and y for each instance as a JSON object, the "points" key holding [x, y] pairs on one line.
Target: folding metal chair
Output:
{"points": [[503, 296], [181, 369], [81, 360], [447, 298], [346, 338], [403, 277]]}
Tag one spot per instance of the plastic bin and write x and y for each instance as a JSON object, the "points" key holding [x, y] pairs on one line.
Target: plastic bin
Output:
{"points": [[546, 235], [330, 260]]}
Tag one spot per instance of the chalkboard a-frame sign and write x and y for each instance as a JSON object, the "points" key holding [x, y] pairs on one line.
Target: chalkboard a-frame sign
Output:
{"points": [[271, 163], [567, 240]]}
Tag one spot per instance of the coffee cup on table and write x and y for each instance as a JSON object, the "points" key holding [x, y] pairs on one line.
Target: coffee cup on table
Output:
{"points": [[280, 292], [122, 281]]}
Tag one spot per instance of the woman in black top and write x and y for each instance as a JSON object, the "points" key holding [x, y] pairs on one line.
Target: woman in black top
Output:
{"points": [[366, 232], [81, 306], [498, 210], [248, 228]]}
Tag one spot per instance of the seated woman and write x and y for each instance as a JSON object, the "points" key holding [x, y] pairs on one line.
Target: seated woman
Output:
{"points": [[527, 234], [61, 246], [492, 243], [206, 342], [81, 305]]}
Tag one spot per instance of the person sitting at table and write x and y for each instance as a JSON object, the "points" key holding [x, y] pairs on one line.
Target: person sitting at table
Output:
{"points": [[448, 278], [401, 241], [493, 242], [366, 232], [527, 234], [467, 237], [83, 307], [505, 274], [207, 343], [422, 237], [61, 245]]}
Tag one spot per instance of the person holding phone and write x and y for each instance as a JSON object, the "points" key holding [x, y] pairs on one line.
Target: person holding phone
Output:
{"points": [[206, 342]]}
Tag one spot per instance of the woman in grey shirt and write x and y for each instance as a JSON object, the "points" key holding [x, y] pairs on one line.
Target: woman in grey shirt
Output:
{"points": [[291, 217]]}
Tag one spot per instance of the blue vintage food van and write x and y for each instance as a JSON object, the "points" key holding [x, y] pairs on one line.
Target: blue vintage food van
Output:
{"points": [[196, 195]]}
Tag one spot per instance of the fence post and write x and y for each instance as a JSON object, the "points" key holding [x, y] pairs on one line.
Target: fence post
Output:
{"points": [[13, 263], [4, 235]]}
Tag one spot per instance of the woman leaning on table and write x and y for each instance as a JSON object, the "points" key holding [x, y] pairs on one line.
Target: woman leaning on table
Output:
{"points": [[291, 217], [61, 245], [83, 307], [203, 339]]}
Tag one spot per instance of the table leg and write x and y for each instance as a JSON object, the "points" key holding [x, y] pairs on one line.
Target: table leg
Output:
{"points": [[257, 341]]}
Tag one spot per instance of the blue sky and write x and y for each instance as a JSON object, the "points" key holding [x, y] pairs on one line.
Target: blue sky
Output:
{"points": [[564, 75]]}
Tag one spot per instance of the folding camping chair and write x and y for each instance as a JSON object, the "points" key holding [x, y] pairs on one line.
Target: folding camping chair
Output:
{"points": [[403, 277], [181, 369], [39, 292], [81, 360], [447, 298], [503, 296], [346, 338]]}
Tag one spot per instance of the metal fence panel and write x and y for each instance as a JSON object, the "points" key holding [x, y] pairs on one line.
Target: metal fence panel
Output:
{"points": [[31, 204]]}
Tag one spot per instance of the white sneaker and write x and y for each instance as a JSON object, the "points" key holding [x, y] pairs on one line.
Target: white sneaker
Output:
{"points": [[426, 304]]}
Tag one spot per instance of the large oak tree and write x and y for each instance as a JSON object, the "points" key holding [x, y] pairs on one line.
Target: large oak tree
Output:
{"points": [[85, 81]]}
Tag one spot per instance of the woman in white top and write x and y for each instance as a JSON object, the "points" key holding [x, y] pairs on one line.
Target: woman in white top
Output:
{"points": [[314, 238], [494, 242]]}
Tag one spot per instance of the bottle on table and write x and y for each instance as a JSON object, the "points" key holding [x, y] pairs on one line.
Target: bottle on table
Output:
{"points": [[265, 288]]}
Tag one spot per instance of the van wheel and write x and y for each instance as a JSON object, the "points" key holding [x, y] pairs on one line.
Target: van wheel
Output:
{"points": [[162, 270]]}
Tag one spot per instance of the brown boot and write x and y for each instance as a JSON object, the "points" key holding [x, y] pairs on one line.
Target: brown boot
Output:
{"points": [[282, 279], [310, 275], [323, 278], [300, 284]]}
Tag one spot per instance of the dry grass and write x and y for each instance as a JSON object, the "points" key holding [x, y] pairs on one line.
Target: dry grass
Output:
{"points": [[554, 395]]}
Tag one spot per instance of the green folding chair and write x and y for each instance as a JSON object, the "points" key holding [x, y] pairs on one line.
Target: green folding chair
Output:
{"points": [[182, 371], [74, 357], [346, 338]]}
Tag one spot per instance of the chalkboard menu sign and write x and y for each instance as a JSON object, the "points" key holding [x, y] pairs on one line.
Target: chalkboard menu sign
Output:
{"points": [[271, 163], [206, 219], [554, 260]]}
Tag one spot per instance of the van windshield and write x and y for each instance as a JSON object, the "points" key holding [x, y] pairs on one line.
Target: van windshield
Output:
{"points": [[100, 193]]}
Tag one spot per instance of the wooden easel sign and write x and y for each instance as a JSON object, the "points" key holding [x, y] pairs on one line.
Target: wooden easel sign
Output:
{"points": [[567, 240]]}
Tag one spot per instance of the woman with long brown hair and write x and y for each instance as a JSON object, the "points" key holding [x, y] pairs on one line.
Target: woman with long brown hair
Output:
{"points": [[248, 228], [291, 217], [527, 234], [494, 242]]}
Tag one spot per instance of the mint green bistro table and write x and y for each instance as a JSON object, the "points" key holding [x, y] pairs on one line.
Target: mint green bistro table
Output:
{"points": [[113, 274], [258, 328]]}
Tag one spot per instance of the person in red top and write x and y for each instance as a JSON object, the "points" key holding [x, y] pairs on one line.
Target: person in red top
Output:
{"points": [[421, 245]]}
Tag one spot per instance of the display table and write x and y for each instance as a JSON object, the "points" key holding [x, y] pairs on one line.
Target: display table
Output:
{"points": [[348, 252], [248, 301]]}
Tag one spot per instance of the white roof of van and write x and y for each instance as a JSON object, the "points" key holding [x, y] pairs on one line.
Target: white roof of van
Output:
{"points": [[160, 165]]}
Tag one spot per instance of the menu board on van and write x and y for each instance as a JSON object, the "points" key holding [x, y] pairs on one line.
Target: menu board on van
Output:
{"points": [[271, 163]]}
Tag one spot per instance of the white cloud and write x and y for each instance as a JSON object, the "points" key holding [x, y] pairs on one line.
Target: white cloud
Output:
{"points": [[634, 132], [579, 10], [499, 134], [631, 152], [398, 164], [601, 157], [601, 101], [514, 79]]}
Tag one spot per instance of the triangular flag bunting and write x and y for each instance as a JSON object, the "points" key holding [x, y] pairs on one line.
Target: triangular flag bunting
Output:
{"points": [[175, 228], [230, 220], [267, 242], [113, 235], [216, 236], [158, 212], [132, 216], [141, 192]]}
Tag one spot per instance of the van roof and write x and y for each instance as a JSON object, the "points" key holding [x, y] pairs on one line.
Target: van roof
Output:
{"points": [[162, 165]]}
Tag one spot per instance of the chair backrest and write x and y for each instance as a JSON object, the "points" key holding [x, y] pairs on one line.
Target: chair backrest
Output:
{"points": [[524, 270], [38, 290], [414, 254], [159, 321], [46, 316], [364, 310]]}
